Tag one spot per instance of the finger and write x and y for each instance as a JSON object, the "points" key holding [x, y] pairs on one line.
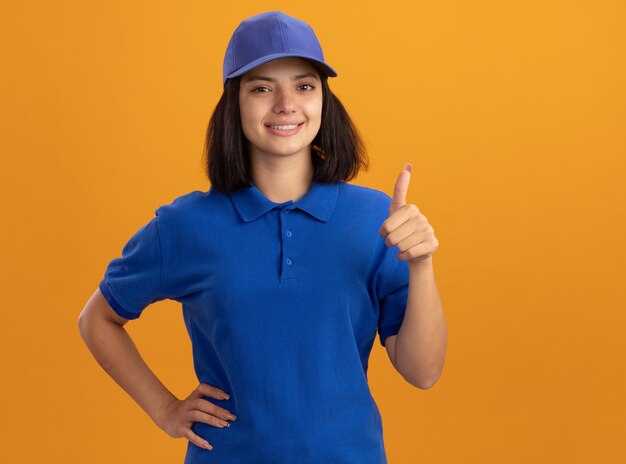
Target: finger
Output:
{"points": [[199, 416], [211, 408], [418, 250], [403, 214], [411, 241], [213, 392], [196, 440], [401, 188], [410, 227]]}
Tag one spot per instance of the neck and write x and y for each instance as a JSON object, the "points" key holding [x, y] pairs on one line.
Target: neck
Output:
{"points": [[283, 179]]}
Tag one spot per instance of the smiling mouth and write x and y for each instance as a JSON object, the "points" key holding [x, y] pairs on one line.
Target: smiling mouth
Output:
{"points": [[286, 127]]}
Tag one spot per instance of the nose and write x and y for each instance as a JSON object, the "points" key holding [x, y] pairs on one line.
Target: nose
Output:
{"points": [[285, 102]]}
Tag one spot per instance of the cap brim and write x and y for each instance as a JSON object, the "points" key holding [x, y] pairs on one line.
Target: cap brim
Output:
{"points": [[323, 67]]}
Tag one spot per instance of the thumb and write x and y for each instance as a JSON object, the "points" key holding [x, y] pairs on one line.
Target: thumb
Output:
{"points": [[400, 189]]}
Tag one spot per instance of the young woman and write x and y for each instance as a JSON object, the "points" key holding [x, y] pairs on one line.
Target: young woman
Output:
{"points": [[285, 273]]}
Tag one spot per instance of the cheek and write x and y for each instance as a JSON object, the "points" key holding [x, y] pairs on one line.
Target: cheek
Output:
{"points": [[249, 120], [315, 114], [319, 105]]}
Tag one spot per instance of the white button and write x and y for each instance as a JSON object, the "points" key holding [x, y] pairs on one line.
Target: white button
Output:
{"points": [[289, 234], [289, 261]]}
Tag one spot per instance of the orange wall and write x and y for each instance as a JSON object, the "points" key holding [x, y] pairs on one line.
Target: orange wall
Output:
{"points": [[513, 116]]}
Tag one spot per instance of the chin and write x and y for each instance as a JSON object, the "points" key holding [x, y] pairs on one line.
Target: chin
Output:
{"points": [[285, 152], [286, 149]]}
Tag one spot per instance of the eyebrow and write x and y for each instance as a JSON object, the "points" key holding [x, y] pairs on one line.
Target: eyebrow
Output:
{"points": [[271, 79]]}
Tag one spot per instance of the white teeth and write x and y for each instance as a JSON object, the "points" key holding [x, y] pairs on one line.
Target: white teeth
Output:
{"points": [[291, 126]]}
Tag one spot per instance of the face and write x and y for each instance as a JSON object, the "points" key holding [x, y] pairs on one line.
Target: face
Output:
{"points": [[281, 107]]}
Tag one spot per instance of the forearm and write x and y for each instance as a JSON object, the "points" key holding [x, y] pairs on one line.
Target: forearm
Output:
{"points": [[420, 348], [115, 351]]}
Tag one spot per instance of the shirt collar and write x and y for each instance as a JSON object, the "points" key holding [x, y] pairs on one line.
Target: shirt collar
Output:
{"points": [[319, 201]]}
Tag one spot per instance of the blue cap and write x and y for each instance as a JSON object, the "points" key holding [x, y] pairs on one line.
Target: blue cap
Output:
{"points": [[269, 36]]}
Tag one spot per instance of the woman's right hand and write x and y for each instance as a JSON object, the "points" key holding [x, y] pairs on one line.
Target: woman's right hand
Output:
{"points": [[179, 415]]}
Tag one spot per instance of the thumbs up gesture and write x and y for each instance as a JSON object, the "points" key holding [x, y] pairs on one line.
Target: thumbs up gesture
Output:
{"points": [[406, 226]]}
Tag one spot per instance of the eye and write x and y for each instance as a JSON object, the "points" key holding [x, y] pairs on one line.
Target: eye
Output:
{"points": [[259, 90], [310, 87]]}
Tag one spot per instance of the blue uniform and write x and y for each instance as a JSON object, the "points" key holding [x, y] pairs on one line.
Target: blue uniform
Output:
{"points": [[282, 302]]}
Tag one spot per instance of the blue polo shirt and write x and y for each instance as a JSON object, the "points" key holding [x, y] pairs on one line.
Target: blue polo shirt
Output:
{"points": [[282, 302]]}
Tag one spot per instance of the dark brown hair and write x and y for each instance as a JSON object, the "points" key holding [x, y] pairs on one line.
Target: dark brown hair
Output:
{"points": [[337, 151]]}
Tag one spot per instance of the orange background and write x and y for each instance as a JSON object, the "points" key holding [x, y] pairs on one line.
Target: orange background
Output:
{"points": [[513, 115]]}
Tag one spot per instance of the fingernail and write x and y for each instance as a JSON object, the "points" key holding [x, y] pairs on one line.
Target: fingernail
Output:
{"points": [[207, 446], [226, 396]]}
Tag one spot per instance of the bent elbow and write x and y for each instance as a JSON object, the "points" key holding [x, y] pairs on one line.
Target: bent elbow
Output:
{"points": [[423, 383], [81, 324], [427, 384]]}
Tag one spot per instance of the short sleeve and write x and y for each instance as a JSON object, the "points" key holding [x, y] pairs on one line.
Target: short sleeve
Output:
{"points": [[393, 294], [135, 280]]}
